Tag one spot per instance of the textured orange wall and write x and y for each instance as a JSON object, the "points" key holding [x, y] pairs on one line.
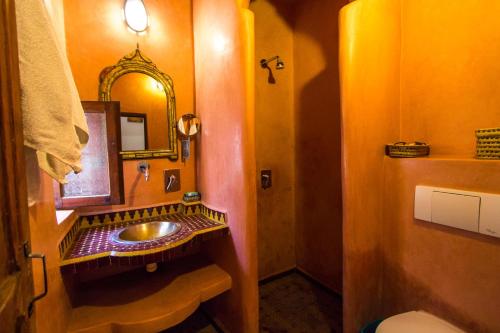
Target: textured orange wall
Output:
{"points": [[303, 145], [97, 37], [224, 55], [318, 200], [45, 237], [449, 72], [274, 131], [449, 88], [369, 63], [45, 232], [451, 273]]}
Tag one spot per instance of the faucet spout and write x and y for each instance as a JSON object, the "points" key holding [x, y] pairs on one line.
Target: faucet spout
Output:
{"points": [[143, 167]]}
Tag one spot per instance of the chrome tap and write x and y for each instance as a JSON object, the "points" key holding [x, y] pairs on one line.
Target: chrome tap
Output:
{"points": [[143, 167]]}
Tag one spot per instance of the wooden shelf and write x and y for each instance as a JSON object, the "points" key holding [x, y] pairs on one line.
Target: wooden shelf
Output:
{"points": [[146, 302]]}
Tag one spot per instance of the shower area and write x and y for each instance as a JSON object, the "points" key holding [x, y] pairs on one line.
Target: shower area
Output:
{"points": [[298, 140]]}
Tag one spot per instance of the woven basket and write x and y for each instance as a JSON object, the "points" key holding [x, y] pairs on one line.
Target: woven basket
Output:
{"points": [[491, 151], [489, 140], [488, 144], [488, 132], [488, 156], [407, 150]]}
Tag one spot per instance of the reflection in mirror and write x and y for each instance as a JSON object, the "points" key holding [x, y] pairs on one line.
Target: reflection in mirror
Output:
{"points": [[143, 106], [134, 127]]}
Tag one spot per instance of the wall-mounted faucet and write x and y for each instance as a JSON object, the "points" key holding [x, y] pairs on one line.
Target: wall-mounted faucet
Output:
{"points": [[143, 167]]}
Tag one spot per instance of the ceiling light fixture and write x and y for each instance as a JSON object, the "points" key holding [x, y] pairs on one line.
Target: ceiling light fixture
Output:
{"points": [[136, 15]]}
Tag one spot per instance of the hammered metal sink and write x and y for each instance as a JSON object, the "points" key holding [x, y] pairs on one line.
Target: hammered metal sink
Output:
{"points": [[146, 232]]}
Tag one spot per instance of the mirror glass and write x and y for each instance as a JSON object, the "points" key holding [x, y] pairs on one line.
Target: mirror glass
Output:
{"points": [[143, 106]]}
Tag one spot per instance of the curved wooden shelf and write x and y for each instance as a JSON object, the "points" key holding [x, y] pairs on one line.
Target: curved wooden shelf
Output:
{"points": [[146, 302]]}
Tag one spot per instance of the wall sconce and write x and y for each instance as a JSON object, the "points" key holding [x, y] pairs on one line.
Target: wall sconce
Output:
{"points": [[136, 15]]}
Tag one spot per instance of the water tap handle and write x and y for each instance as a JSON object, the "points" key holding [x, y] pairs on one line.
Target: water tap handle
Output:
{"points": [[171, 181]]}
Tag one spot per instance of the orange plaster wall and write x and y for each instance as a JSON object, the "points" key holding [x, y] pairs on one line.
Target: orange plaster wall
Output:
{"points": [[298, 135], [224, 56], [449, 88], [449, 72], [97, 37], [369, 74], [45, 237], [275, 142], [45, 232], [451, 273], [318, 199]]}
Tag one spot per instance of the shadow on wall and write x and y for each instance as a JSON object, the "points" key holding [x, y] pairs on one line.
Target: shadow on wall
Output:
{"points": [[318, 201]]}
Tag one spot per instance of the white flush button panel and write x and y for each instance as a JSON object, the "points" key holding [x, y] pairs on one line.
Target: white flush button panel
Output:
{"points": [[472, 211], [455, 210]]}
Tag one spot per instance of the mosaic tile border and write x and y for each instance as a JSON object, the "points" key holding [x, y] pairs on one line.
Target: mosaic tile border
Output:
{"points": [[186, 208], [154, 211], [67, 241], [130, 215], [213, 215], [191, 247]]}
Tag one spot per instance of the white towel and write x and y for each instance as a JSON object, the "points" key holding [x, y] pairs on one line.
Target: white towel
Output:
{"points": [[53, 118]]}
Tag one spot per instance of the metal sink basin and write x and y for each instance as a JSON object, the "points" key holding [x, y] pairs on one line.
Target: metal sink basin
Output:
{"points": [[146, 232]]}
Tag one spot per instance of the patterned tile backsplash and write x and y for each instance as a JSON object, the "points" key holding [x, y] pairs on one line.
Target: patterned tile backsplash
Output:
{"points": [[88, 239]]}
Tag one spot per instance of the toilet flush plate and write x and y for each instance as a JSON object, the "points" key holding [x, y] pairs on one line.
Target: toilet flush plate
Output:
{"points": [[455, 210], [489, 223], [473, 211]]}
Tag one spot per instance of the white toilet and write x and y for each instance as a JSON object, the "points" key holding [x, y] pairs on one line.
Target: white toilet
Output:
{"points": [[416, 322]]}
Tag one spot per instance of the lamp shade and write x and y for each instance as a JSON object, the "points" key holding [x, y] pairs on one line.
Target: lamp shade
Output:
{"points": [[136, 15]]}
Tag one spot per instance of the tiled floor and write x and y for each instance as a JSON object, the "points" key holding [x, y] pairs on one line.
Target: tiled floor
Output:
{"points": [[294, 304], [290, 304]]}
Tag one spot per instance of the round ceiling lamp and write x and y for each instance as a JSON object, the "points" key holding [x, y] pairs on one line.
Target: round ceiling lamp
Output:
{"points": [[136, 15]]}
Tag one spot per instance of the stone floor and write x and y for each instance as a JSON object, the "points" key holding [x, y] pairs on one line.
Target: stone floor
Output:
{"points": [[289, 304], [294, 304]]}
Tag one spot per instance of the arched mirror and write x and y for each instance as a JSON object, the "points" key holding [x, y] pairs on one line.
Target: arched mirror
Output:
{"points": [[147, 106]]}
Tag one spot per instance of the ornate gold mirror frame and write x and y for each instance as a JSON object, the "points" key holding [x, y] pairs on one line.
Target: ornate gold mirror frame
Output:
{"points": [[136, 62]]}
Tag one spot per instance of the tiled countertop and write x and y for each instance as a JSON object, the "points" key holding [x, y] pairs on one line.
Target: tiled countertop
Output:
{"points": [[93, 247]]}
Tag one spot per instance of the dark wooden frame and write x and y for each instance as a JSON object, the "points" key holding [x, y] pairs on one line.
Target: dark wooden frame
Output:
{"points": [[143, 116], [113, 132], [15, 269]]}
